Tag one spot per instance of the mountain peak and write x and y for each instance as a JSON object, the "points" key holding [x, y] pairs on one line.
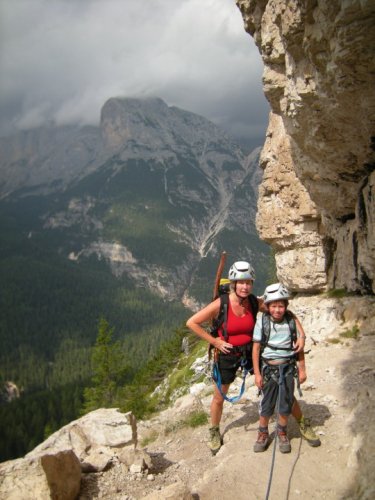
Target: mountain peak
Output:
{"points": [[150, 121]]}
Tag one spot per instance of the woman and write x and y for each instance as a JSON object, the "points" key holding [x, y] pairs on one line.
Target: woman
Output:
{"points": [[239, 329]]}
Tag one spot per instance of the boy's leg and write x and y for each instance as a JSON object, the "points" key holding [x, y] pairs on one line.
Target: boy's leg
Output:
{"points": [[284, 443], [263, 438], [266, 409], [285, 406]]}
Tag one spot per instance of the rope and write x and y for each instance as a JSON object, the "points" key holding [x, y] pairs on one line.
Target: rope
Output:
{"points": [[217, 379], [293, 467], [280, 382]]}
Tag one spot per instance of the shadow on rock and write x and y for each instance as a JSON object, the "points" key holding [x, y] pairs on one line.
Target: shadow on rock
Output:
{"points": [[89, 486], [159, 463], [250, 416]]}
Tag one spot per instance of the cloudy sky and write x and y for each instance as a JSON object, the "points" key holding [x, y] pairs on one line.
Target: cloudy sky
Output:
{"points": [[60, 60]]}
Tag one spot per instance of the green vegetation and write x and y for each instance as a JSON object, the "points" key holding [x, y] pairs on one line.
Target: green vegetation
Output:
{"points": [[347, 334], [28, 421], [351, 334], [109, 367], [150, 438], [51, 304], [339, 293], [194, 419], [139, 397], [333, 340]]}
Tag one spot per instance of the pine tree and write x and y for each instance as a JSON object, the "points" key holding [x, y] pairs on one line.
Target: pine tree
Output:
{"points": [[109, 366]]}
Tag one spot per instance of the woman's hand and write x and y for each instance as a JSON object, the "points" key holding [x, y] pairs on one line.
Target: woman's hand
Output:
{"points": [[222, 346]]}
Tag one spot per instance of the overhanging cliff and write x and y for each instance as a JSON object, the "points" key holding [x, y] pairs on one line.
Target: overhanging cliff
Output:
{"points": [[317, 199]]}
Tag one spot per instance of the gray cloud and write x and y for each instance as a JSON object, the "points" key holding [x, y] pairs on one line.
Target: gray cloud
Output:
{"points": [[60, 60]]}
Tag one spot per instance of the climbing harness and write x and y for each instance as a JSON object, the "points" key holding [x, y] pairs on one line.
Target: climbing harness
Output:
{"points": [[217, 378]]}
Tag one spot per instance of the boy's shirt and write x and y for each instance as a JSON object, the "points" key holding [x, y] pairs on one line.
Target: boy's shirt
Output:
{"points": [[279, 337]]}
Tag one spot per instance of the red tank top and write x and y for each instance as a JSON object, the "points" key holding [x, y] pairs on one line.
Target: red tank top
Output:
{"points": [[239, 330]]}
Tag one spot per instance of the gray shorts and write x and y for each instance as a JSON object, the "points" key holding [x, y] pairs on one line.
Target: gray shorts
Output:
{"points": [[270, 392]]}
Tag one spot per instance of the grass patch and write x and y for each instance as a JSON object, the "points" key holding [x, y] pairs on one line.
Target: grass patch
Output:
{"points": [[149, 439], [197, 419], [194, 419], [180, 378], [334, 340], [337, 293], [351, 334]]}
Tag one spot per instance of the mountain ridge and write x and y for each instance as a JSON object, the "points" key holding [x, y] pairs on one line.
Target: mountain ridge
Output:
{"points": [[197, 177], [114, 231]]}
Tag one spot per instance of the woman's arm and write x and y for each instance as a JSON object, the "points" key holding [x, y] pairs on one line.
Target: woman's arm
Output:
{"points": [[205, 315]]}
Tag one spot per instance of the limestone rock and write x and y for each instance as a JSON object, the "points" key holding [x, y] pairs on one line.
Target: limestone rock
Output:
{"points": [[106, 427], [318, 191], [97, 460], [54, 475], [131, 457]]}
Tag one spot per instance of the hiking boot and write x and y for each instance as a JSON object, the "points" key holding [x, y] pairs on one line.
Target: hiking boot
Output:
{"points": [[284, 443], [263, 440], [308, 433], [215, 440]]}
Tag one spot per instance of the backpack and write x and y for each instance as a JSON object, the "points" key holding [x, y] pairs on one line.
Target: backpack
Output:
{"points": [[266, 330]]}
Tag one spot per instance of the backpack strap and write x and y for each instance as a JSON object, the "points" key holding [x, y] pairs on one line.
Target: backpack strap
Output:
{"points": [[222, 317], [223, 314], [266, 330], [254, 305], [292, 327]]}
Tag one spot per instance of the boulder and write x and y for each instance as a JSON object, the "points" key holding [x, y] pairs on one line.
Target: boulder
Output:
{"points": [[103, 428], [53, 475]]}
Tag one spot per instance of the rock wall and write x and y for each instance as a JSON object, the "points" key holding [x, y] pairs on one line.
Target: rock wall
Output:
{"points": [[317, 200]]}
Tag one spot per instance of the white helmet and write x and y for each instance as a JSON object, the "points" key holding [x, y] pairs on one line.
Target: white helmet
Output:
{"points": [[241, 271], [276, 291]]}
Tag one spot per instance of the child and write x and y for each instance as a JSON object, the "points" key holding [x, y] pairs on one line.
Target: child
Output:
{"points": [[275, 364]]}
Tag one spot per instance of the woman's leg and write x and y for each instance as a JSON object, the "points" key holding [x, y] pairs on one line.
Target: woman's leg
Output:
{"points": [[217, 404], [296, 410]]}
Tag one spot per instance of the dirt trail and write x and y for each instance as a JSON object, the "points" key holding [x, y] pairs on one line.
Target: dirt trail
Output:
{"points": [[339, 398]]}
